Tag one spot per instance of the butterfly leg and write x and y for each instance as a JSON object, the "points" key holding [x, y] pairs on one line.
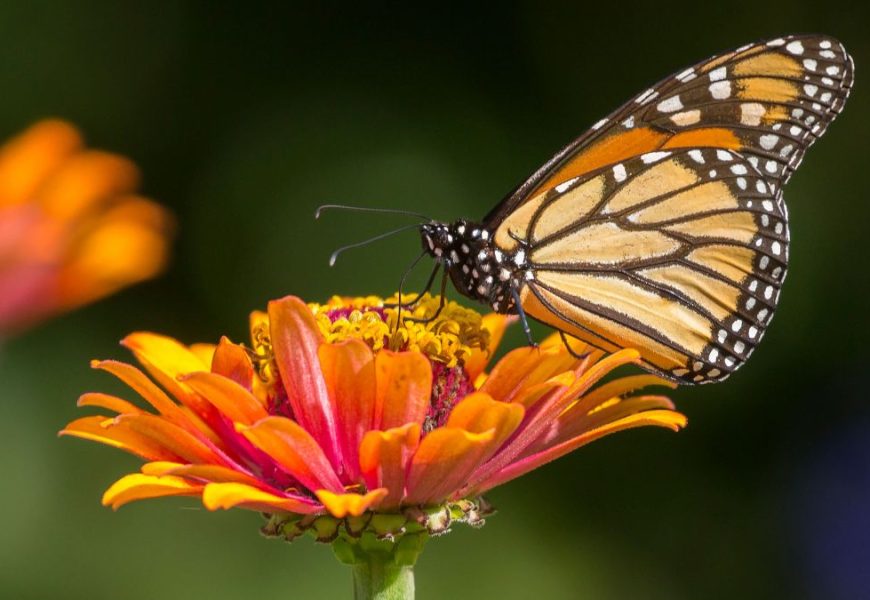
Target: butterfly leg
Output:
{"points": [[420, 295], [570, 349], [523, 319], [443, 301]]}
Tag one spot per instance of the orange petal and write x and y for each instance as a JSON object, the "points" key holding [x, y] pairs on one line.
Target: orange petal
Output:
{"points": [[523, 368], [165, 359], [620, 387], [231, 399], [208, 473], [349, 371], [478, 413], [295, 450], [159, 467], [404, 381], [295, 342], [539, 417], [384, 458], [140, 487], [28, 159], [530, 396], [107, 431], [172, 437], [341, 505], [232, 361], [496, 325], [154, 396], [85, 181], [143, 386], [604, 366], [662, 418], [108, 402], [229, 495], [579, 347], [443, 462], [573, 423], [205, 352]]}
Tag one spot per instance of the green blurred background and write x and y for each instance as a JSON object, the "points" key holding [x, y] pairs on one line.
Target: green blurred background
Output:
{"points": [[243, 119]]}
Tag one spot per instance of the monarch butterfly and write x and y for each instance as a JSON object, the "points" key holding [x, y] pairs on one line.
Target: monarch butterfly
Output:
{"points": [[663, 227]]}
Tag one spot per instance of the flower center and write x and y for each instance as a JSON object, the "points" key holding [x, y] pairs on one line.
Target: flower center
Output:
{"points": [[446, 335]]}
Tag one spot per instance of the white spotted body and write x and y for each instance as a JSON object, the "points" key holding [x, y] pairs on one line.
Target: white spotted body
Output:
{"points": [[478, 269]]}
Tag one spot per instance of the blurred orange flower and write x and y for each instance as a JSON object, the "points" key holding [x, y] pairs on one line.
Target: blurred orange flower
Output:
{"points": [[71, 227], [335, 410]]}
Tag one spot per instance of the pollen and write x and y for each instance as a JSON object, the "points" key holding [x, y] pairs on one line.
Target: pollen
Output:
{"points": [[446, 337]]}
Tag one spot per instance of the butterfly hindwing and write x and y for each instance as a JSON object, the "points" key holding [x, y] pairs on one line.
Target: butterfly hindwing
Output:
{"points": [[680, 254]]}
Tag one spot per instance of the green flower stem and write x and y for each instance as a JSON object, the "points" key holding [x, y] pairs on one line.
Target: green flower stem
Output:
{"points": [[382, 563], [379, 578]]}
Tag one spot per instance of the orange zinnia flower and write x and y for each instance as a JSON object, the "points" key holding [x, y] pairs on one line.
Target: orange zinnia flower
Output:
{"points": [[71, 228], [335, 411]]}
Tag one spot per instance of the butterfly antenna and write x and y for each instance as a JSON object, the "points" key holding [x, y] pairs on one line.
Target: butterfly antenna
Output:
{"points": [[334, 255], [393, 211]]}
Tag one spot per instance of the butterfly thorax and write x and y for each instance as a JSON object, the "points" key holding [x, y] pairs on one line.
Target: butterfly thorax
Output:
{"points": [[477, 268]]}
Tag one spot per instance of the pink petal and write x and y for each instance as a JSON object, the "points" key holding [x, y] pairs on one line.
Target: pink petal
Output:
{"points": [[349, 371], [295, 343]]}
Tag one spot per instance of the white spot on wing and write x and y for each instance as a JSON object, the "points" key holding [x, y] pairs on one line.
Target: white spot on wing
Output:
{"points": [[795, 47], [751, 113], [718, 74], [687, 75], [647, 96], [669, 105], [720, 90], [651, 157], [565, 185], [619, 172], [686, 118], [768, 142]]}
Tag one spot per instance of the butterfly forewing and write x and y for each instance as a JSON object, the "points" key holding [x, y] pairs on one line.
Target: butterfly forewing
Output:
{"points": [[768, 101]]}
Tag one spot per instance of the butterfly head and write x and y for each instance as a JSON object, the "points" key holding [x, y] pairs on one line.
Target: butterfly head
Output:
{"points": [[478, 269], [437, 239]]}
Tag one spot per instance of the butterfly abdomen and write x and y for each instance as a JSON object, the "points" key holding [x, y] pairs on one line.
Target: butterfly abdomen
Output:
{"points": [[477, 268]]}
